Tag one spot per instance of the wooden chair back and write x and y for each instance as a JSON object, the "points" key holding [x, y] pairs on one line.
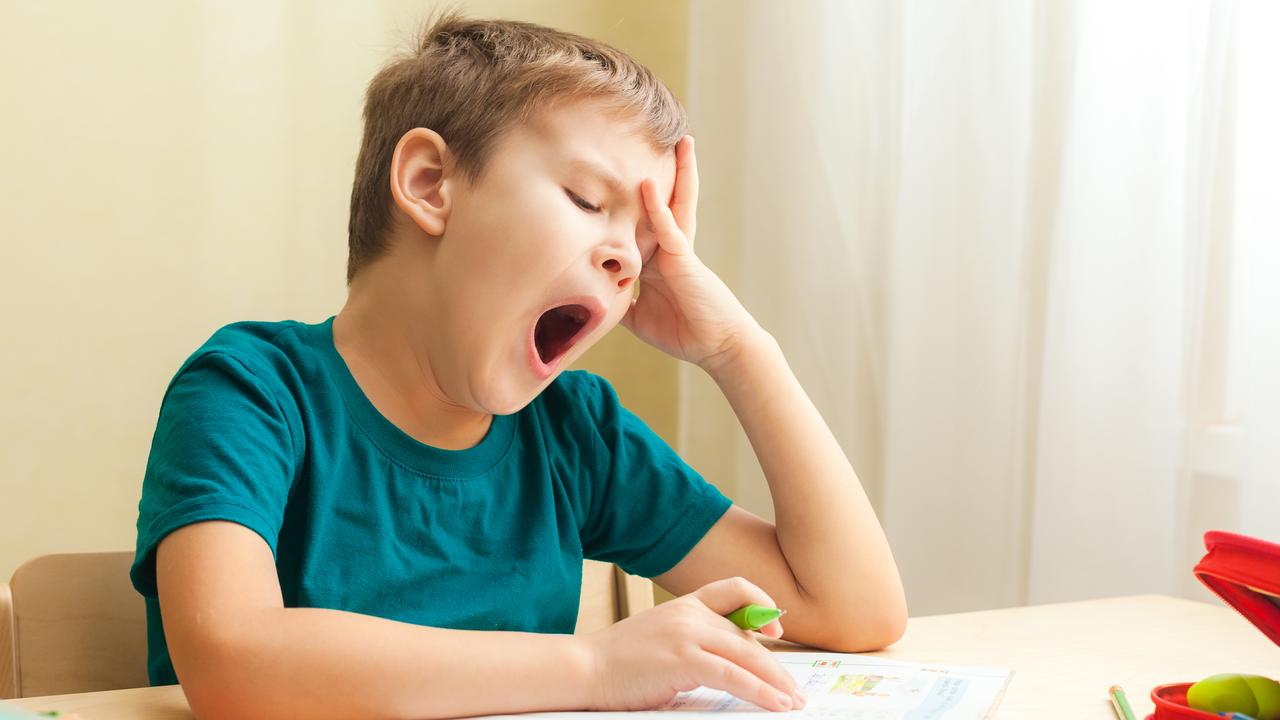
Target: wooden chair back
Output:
{"points": [[609, 595], [72, 623], [75, 625]]}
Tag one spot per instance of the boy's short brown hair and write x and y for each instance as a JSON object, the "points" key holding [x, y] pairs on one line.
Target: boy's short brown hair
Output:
{"points": [[471, 80]]}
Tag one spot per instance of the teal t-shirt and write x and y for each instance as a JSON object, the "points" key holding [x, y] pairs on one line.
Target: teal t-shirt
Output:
{"points": [[265, 426]]}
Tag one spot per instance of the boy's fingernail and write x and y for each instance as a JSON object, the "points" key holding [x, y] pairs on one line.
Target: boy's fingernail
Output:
{"points": [[784, 701], [799, 700]]}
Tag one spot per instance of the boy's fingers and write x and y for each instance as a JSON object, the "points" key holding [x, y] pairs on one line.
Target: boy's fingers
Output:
{"points": [[684, 200], [725, 596], [670, 237], [720, 674], [741, 649]]}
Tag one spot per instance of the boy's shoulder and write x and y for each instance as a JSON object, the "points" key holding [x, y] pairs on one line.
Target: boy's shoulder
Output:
{"points": [[578, 390], [257, 346], [252, 335], [579, 401]]}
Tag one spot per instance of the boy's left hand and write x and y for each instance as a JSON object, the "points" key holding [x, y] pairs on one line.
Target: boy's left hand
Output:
{"points": [[684, 309]]}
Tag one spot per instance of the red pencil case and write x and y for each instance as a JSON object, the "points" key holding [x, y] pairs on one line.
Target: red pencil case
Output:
{"points": [[1245, 572]]}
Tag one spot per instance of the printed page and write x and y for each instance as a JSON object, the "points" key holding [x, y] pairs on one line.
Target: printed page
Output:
{"points": [[855, 687]]}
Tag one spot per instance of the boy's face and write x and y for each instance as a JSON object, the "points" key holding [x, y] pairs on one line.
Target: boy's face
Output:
{"points": [[539, 259]]}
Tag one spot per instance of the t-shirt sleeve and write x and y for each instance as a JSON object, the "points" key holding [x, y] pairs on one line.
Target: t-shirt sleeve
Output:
{"points": [[223, 450], [647, 508]]}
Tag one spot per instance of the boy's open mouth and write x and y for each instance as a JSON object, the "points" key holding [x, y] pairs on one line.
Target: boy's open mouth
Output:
{"points": [[557, 330]]}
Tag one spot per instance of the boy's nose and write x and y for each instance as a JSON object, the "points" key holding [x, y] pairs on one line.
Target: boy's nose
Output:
{"points": [[622, 266], [615, 269]]}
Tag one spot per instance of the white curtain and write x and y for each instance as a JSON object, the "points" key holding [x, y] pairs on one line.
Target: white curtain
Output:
{"points": [[1025, 259]]}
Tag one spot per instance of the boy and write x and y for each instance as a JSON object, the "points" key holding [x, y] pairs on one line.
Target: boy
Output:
{"points": [[355, 518]]}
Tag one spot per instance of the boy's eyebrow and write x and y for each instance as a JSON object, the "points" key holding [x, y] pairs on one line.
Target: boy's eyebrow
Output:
{"points": [[615, 184]]}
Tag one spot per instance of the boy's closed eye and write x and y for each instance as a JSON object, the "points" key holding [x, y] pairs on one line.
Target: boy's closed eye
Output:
{"points": [[577, 200], [647, 244]]}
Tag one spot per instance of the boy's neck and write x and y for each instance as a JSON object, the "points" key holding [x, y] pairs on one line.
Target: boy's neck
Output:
{"points": [[383, 336]]}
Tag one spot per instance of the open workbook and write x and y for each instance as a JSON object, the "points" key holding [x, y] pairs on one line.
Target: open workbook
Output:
{"points": [[853, 686]]}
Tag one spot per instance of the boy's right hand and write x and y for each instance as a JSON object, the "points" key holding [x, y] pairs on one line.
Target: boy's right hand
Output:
{"points": [[641, 662]]}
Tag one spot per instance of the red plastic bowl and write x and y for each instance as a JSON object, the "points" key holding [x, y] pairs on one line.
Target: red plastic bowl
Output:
{"points": [[1171, 704]]}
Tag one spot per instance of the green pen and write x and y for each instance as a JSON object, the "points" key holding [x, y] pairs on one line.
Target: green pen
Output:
{"points": [[754, 617], [1121, 703]]}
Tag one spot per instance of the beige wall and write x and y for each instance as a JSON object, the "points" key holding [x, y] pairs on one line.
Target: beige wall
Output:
{"points": [[171, 167]]}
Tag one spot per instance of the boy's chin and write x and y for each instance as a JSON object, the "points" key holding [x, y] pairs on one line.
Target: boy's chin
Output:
{"points": [[508, 398]]}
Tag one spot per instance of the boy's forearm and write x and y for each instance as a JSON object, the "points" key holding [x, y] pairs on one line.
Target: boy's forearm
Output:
{"points": [[826, 527], [318, 663]]}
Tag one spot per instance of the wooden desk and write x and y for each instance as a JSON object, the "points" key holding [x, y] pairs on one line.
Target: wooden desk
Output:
{"points": [[1064, 657]]}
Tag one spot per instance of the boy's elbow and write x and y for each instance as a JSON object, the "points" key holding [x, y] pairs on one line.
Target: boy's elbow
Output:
{"points": [[889, 630], [211, 672], [211, 699], [217, 695], [228, 696], [867, 638], [868, 632]]}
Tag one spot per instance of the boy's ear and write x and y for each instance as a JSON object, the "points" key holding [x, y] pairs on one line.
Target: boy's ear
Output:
{"points": [[418, 179]]}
